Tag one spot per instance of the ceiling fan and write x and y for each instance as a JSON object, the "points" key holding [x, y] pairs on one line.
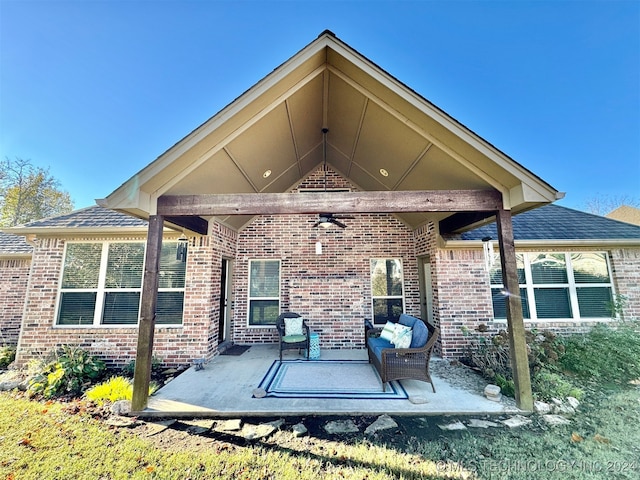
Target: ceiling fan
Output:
{"points": [[325, 220]]}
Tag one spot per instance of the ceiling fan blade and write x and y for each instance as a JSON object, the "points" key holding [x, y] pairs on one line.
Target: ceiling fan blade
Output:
{"points": [[340, 224]]}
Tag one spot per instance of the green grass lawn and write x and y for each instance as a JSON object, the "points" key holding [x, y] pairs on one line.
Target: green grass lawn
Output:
{"points": [[50, 440]]}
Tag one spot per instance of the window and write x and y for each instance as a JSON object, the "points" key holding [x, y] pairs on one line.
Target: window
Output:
{"points": [[387, 291], [102, 283], [264, 292], [558, 286]]}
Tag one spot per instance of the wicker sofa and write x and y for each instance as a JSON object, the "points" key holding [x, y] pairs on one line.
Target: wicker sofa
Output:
{"points": [[403, 363]]}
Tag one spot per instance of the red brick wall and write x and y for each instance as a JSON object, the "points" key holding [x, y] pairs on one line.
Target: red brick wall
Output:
{"points": [[332, 290], [626, 272], [464, 295], [14, 278], [174, 345]]}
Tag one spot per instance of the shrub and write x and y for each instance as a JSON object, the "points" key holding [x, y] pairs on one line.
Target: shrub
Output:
{"points": [[605, 353], [7, 356], [492, 357], [548, 384], [156, 367], [114, 389], [68, 373]]}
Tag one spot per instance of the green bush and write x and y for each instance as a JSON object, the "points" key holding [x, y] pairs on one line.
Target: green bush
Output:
{"points": [[70, 372], [156, 367], [491, 356], [548, 384], [507, 385], [114, 389], [606, 354], [7, 356]]}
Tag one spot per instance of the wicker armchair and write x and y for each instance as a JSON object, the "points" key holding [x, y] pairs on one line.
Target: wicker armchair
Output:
{"points": [[292, 342], [403, 363]]}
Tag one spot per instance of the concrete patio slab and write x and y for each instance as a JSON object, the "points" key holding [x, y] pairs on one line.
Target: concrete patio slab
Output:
{"points": [[224, 389]]}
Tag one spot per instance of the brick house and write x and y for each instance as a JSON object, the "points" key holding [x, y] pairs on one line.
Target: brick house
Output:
{"points": [[245, 195]]}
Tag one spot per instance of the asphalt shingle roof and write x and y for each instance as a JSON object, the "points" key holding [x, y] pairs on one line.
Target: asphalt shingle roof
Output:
{"points": [[13, 244], [90, 217], [553, 222]]}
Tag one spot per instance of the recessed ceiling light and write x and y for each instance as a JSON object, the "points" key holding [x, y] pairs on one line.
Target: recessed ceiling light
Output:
{"points": [[266, 174], [384, 173]]}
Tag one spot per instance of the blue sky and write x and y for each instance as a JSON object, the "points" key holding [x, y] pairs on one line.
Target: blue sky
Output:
{"points": [[96, 90]]}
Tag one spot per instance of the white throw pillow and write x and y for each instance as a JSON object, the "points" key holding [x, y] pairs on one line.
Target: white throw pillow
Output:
{"points": [[293, 326], [402, 338], [388, 332]]}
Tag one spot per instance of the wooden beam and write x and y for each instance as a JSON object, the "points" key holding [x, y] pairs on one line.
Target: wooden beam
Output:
{"points": [[193, 223], [146, 324], [515, 320], [461, 220], [331, 202]]}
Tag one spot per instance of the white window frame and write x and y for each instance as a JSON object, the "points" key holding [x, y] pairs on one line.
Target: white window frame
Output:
{"points": [[385, 297], [250, 298], [101, 290], [571, 285]]}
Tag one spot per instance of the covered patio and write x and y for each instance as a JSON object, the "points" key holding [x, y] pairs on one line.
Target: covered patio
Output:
{"points": [[225, 388], [405, 164]]}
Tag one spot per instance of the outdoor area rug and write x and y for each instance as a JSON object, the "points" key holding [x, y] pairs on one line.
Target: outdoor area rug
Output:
{"points": [[348, 379]]}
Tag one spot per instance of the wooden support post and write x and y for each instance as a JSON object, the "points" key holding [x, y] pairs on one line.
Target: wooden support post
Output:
{"points": [[515, 320], [146, 324]]}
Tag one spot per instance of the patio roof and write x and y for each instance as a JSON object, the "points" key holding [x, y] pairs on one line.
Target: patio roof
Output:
{"points": [[382, 136]]}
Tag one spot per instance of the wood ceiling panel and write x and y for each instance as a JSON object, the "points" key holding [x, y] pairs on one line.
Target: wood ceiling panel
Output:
{"points": [[267, 145], [217, 175], [438, 171], [345, 106], [386, 143], [364, 180], [305, 110]]}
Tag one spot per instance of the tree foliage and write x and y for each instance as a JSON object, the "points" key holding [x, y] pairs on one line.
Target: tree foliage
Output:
{"points": [[29, 193], [604, 204]]}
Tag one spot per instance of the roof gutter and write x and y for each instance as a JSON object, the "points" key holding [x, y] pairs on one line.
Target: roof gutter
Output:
{"points": [[67, 231], [610, 243], [16, 256]]}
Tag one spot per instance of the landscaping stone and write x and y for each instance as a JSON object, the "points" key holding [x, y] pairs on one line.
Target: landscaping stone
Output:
{"points": [[276, 423], [383, 422], [554, 420], [541, 407], [255, 432], [198, 427], [564, 409], [453, 426], [9, 385], [121, 422], [477, 423], [232, 425], [121, 407], [516, 421], [153, 428], [492, 392], [574, 402], [299, 430], [341, 426]]}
